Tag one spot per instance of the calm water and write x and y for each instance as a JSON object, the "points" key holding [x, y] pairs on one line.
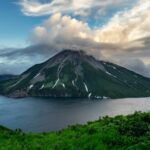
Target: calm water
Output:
{"points": [[42, 115]]}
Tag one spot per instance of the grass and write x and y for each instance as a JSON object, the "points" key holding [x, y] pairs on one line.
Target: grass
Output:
{"points": [[130, 132]]}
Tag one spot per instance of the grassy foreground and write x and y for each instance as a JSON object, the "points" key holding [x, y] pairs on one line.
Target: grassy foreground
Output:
{"points": [[130, 132]]}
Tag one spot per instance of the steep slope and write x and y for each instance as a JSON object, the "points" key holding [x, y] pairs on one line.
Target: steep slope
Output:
{"points": [[75, 74]]}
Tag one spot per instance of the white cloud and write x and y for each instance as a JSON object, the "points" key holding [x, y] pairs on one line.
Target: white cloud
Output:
{"points": [[123, 30], [124, 40], [126, 34], [77, 7]]}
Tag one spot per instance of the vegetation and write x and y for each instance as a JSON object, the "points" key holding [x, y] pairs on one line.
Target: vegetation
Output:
{"points": [[75, 74], [130, 132]]}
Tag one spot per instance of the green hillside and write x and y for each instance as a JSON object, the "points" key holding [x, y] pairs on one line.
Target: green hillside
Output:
{"points": [[130, 132]]}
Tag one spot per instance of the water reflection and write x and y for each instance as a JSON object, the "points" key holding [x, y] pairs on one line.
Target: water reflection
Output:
{"points": [[42, 115]]}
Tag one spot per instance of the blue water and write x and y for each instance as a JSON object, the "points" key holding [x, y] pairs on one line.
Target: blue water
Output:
{"points": [[42, 115]]}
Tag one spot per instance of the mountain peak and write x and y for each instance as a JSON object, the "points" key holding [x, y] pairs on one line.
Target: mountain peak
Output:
{"points": [[71, 53], [72, 73]]}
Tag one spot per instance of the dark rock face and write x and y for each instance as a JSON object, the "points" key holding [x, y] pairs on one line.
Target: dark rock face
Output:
{"points": [[75, 74], [18, 94]]}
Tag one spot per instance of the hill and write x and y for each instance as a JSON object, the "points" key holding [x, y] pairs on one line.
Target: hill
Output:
{"points": [[75, 74], [130, 132]]}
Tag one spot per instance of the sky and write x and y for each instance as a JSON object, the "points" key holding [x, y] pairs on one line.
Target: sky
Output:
{"points": [[15, 27], [111, 30]]}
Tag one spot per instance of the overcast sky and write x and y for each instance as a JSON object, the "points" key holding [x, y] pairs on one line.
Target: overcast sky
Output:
{"points": [[114, 30]]}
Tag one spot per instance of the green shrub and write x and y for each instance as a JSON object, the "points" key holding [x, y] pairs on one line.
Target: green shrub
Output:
{"points": [[130, 132]]}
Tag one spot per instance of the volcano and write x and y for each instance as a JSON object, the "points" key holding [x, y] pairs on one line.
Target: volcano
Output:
{"points": [[78, 75]]}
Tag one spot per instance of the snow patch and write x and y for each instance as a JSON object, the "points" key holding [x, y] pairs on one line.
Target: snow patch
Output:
{"points": [[37, 75], [73, 82], [42, 87], [31, 86], [110, 74], [55, 83], [63, 85], [104, 97], [86, 88], [89, 96]]}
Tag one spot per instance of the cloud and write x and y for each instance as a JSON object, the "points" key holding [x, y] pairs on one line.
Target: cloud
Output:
{"points": [[123, 40], [76, 7], [126, 34], [125, 30], [136, 65], [15, 61]]}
